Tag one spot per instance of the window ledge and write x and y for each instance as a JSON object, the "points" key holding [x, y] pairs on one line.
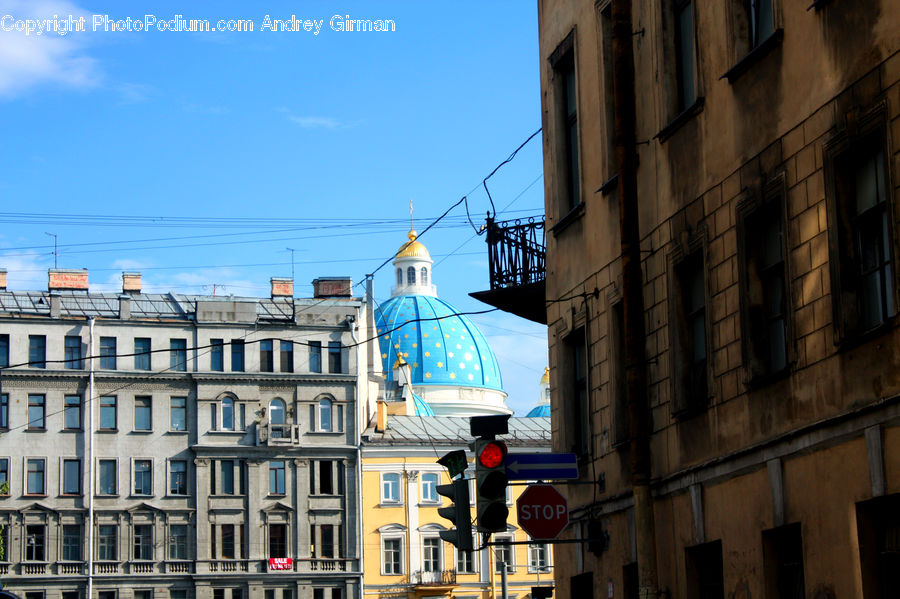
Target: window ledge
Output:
{"points": [[67, 430], [683, 117], [754, 56], [391, 504], [609, 185], [225, 432], [107, 430], [35, 430], [574, 214], [141, 432], [176, 432], [760, 380], [817, 4]]}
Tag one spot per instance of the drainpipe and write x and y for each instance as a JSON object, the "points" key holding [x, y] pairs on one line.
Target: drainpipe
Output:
{"points": [[633, 297], [90, 462], [360, 541]]}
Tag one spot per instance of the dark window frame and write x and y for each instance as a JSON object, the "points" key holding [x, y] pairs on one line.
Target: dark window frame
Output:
{"points": [[783, 562], [37, 351], [692, 387], [72, 352], [286, 355], [142, 353], [40, 476], [178, 354], [37, 419], [67, 481], [315, 356], [564, 66], [267, 355], [238, 355], [217, 355], [108, 351], [754, 212], [576, 391], [704, 571]]}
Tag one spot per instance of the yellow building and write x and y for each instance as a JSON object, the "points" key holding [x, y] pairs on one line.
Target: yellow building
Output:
{"points": [[438, 371]]}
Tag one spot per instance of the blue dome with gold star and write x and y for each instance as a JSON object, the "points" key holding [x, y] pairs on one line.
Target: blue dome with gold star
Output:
{"points": [[440, 346]]}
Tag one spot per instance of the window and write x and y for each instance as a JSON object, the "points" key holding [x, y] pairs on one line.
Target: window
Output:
{"points": [[108, 413], [392, 556], [37, 351], [108, 353], [107, 477], [684, 54], [143, 413], [690, 372], [178, 414], [862, 237], [217, 355], [465, 562], [278, 540], [276, 477], [578, 411], [71, 545], [35, 543], [37, 410], [72, 353], [34, 484], [4, 410], [178, 354], [429, 487], [703, 570], [143, 477], [336, 593], [266, 360], [607, 74], [107, 542], [754, 22], [325, 409], [72, 412], [878, 533], [424, 274], [226, 481], [237, 355], [4, 351], [178, 477], [390, 487], [783, 560], [538, 557], [621, 432], [71, 477], [503, 554], [143, 542], [411, 275], [287, 356], [227, 541], [334, 357], [315, 356], [326, 416], [277, 422], [566, 93], [227, 414], [399, 277], [4, 475], [142, 353], [178, 541], [107, 595], [764, 291], [431, 554]]}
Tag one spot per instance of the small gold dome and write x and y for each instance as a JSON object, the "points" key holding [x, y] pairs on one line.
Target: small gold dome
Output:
{"points": [[546, 377], [413, 248]]}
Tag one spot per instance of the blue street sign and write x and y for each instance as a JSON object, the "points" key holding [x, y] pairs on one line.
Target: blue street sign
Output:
{"points": [[541, 466]]}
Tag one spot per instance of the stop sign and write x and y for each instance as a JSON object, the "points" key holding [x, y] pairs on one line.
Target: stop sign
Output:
{"points": [[542, 511]]}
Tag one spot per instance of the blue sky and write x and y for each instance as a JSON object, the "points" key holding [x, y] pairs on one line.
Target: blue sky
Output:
{"points": [[127, 145]]}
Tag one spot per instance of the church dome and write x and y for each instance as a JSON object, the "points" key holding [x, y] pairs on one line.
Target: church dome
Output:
{"points": [[412, 248], [441, 347]]}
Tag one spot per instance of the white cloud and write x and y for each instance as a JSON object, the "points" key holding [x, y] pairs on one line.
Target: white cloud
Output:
{"points": [[318, 122], [30, 60], [26, 272]]}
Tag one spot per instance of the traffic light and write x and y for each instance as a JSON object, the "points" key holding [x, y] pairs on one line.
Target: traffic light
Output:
{"points": [[458, 513], [490, 485]]}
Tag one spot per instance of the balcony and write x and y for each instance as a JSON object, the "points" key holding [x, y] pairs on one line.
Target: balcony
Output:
{"points": [[430, 578], [517, 268]]}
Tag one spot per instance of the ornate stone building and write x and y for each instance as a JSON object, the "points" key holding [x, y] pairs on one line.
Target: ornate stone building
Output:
{"points": [[172, 446]]}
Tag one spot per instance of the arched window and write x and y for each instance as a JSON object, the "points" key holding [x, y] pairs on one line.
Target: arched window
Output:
{"points": [[411, 276], [424, 276], [399, 277], [325, 420], [277, 418], [228, 414]]}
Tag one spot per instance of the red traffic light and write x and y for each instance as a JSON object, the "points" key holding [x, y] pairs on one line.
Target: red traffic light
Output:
{"points": [[492, 454]]}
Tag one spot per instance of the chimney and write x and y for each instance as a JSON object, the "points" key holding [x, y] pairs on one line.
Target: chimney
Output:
{"points": [[131, 282], [55, 306], [381, 416], [2, 279], [332, 287], [282, 287], [64, 278], [124, 306]]}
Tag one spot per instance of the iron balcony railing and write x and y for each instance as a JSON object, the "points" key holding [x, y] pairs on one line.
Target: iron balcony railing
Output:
{"points": [[434, 577], [516, 252]]}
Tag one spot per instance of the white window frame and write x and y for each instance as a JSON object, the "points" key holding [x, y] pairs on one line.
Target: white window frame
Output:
{"points": [[337, 415], [533, 547], [134, 473], [422, 487], [433, 536], [187, 477], [384, 496], [395, 533], [474, 554], [511, 564]]}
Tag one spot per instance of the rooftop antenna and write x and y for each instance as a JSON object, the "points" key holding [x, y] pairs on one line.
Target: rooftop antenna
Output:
{"points": [[292, 250], [56, 254]]}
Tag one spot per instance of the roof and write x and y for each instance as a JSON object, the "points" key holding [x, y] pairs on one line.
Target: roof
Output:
{"points": [[412, 248], [541, 411], [454, 430], [80, 304], [441, 346]]}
